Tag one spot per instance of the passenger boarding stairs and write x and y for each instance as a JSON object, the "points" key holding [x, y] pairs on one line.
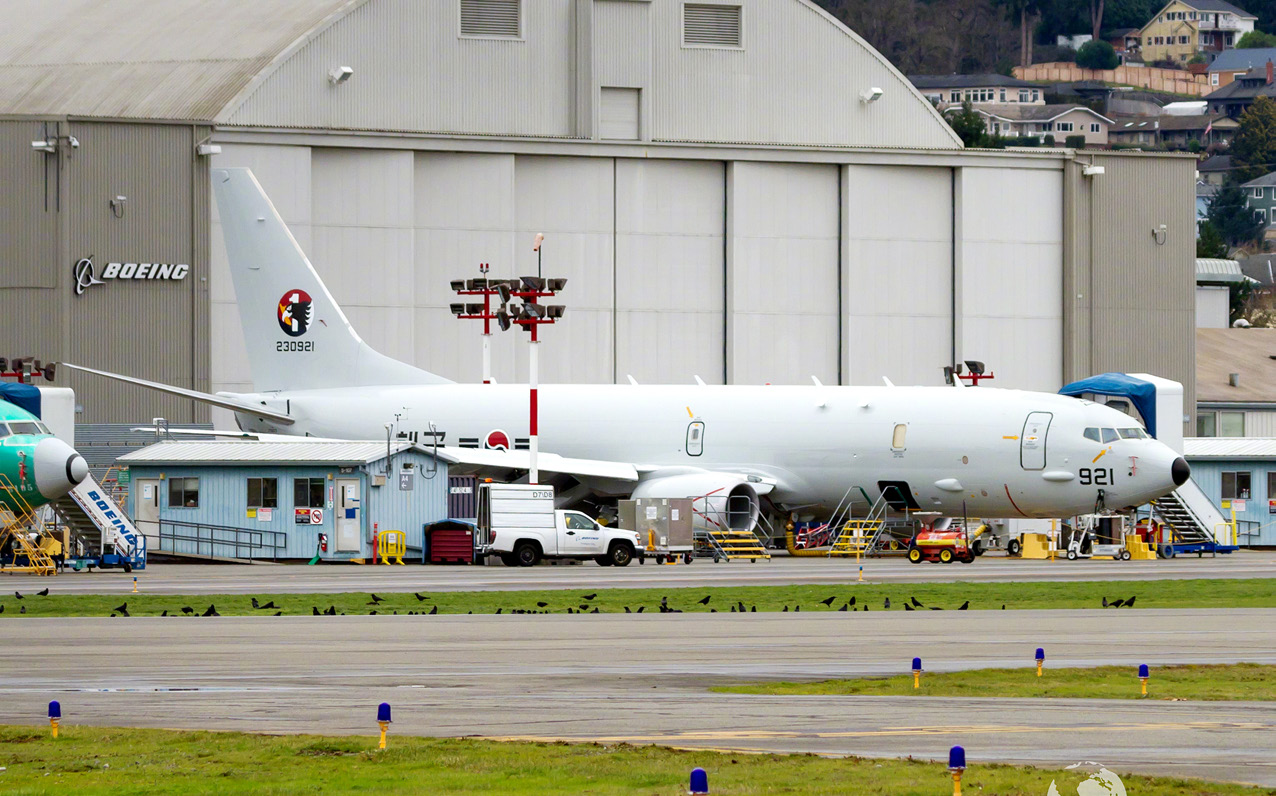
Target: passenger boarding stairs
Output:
{"points": [[99, 527], [1193, 520]]}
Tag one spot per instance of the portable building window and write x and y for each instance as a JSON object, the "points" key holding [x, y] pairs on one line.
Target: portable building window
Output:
{"points": [[1207, 424], [491, 18], [183, 493], [263, 493], [711, 25], [1236, 485], [307, 493], [1231, 424]]}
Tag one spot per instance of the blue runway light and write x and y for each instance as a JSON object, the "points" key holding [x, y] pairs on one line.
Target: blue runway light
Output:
{"points": [[917, 664], [957, 759], [1143, 670], [699, 781], [383, 711], [1041, 654], [55, 709]]}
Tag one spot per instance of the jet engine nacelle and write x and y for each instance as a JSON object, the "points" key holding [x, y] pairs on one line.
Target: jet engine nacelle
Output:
{"points": [[717, 498]]}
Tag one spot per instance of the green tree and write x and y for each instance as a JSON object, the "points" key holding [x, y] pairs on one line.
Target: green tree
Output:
{"points": [[1254, 147], [1097, 55], [1256, 39], [1231, 216], [969, 124], [1209, 243]]}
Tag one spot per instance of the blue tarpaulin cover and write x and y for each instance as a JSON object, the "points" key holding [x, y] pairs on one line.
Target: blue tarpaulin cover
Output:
{"points": [[1141, 393], [23, 396]]}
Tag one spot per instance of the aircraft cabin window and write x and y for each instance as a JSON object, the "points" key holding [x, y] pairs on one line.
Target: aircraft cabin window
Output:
{"points": [[1092, 433], [1109, 435], [897, 439], [24, 427]]}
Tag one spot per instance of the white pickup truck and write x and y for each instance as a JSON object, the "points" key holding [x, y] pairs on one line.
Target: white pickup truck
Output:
{"points": [[519, 523]]}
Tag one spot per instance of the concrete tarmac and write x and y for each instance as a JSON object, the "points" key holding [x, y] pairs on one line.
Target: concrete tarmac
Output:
{"points": [[782, 570], [644, 679]]}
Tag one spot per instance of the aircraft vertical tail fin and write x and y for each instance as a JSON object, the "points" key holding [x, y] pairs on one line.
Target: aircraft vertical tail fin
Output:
{"points": [[297, 336]]}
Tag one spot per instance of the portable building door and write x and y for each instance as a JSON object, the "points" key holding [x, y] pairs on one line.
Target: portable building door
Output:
{"points": [[1032, 444], [147, 510], [348, 506]]}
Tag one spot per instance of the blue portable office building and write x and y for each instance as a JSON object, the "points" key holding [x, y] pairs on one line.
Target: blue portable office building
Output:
{"points": [[238, 499], [1239, 473]]}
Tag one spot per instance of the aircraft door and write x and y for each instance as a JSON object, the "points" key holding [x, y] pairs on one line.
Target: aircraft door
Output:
{"points": [[148, 512], [348, 519], [695, 438], [1032, 443]]}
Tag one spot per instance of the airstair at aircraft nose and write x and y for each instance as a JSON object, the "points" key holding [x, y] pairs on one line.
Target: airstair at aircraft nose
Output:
{"points": [[1195, 524], [98, 524]]}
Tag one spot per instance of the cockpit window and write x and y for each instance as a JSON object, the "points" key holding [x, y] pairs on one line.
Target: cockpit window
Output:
{"points": [[1109, 435], [43, 428], [1132, 433], [1092, 433], [24, 427], [4, 430]]}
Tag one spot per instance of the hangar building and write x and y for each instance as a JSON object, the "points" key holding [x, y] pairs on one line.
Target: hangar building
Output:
{"points": [[741, 190]]}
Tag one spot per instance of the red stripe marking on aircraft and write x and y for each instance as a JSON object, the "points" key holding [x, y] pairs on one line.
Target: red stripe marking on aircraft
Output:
{"points": [[1012, 500]]}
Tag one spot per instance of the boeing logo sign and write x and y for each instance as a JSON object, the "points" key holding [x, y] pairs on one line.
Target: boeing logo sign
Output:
{"points": [[85, 277]]}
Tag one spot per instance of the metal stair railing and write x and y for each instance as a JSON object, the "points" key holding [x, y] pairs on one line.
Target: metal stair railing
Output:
{"points": [[245, 543], [18, 521], [718, 538], [1185, 527], [851, 540]]}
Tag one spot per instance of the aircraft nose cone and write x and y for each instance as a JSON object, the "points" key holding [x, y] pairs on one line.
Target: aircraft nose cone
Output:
{"points": [[57, 467], [1180, 471]]}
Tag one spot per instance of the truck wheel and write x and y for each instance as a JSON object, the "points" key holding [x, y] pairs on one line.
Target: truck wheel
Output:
{"points": [[527, 555], [915, 555], [945, 556], [686, 558], [620, 554], [509, 560], [1014, 547], [602, 561]]}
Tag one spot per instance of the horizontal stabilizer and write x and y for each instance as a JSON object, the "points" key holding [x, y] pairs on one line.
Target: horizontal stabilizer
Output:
{"points": [[195, 395]]}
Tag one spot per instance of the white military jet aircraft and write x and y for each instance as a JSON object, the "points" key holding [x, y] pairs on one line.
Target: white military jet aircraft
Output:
{"points": [[983, 452]]}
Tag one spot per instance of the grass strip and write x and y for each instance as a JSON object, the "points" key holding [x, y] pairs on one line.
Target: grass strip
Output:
{"points": [[1200, 593], [1212, 682], [87, 761]]}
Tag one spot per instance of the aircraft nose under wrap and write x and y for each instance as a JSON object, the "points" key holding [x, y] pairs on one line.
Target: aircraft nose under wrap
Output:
{"points": [[57, 467], [1180, 471]]}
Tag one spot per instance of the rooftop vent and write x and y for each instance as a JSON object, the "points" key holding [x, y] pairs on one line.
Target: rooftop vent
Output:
{"points": [[491, 18], [711, 25]]}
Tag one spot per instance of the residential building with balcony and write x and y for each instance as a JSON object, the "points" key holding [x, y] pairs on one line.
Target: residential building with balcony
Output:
{"points": [[1183, 27], [947, 91]]}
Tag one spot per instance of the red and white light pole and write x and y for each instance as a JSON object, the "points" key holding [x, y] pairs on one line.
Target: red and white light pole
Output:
{"points": [[529, 315]]}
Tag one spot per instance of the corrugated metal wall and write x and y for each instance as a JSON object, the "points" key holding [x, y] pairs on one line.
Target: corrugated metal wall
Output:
{"points": [[154, 329], [413, 71], [1135, 285]]}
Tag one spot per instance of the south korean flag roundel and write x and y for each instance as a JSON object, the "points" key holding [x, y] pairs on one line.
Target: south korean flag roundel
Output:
{"points": [[294, 312]]}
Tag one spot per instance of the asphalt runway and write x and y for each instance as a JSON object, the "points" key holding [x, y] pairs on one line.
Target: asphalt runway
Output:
{"points": [[643, 679], [782, 570]]}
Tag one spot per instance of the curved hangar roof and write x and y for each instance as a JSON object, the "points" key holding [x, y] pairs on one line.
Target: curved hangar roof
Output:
{"points": [[782, 72]]}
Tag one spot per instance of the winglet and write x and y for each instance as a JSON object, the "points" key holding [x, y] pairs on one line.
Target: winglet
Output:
{"points": [[888, 382]]}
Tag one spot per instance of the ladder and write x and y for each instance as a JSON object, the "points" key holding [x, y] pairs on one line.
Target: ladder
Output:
{"points": [[859, 537], [19, 523], [719, 539]]}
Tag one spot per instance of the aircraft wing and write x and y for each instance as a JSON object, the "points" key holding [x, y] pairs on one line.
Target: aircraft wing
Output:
{"points": [[547, 462], [194, 395]]}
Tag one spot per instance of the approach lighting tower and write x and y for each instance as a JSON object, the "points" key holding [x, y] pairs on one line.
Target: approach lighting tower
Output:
{"points": [[530, 314]]}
